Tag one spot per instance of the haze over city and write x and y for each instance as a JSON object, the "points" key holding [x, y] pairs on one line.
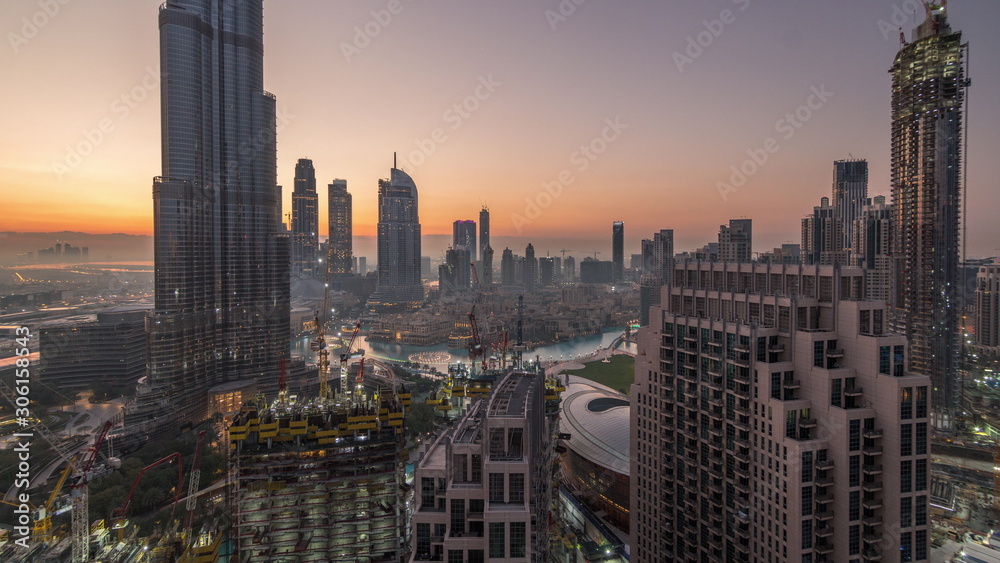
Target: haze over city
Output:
{"points": [[489, 103]]}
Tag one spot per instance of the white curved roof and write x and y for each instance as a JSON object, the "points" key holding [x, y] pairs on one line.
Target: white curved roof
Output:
{"points": [[597, 418]]}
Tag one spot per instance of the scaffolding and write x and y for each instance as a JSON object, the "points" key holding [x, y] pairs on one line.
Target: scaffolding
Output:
{"points": [[318, 481]]}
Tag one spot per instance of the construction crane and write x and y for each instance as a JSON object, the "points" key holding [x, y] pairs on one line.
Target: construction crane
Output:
{"points": [[476, 348], [118, 516], [42, 530], [564, 251], [192, 499], [345, 357], [79, 493]]}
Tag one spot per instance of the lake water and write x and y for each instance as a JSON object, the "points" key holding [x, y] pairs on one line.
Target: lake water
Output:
{"points": [[440, 356]]}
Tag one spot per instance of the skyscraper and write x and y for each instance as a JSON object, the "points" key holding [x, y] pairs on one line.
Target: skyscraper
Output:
{"points": [[399, 283], [305, 221], [821, 241], [873, 247], [777, 422], [928, 92], [221, 309], [508, 272], [658, 269], [569, 269], [341, 234], [530, 268], [487, 265], [464, 234], [618, 252], [850, 194], [736, 241], [484, 240], [988, 309]]}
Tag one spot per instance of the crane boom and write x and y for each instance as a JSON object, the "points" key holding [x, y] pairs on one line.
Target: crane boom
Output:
{"points": [[192, 499], [344, 358], [119, 514]]}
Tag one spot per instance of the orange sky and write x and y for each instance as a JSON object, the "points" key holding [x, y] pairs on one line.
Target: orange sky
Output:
{"points": [[554, 90]]}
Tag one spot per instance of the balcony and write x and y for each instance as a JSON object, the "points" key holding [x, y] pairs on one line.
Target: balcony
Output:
{"points": [[794, 384], [873, 554], [834, 352], [824, 515], [873, 450], [824, 548], [872, 504], [853, 391], [872, 487], [776, 348], [872, 469], [872, 521], [873, 434], [824, 464], [824, 499], [824, 531], [807, 423], [873, 538], [824, 481]]}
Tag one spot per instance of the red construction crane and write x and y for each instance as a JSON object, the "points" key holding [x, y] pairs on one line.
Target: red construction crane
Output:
{"points": [[119, 514], [79, 495], [192, 499]]}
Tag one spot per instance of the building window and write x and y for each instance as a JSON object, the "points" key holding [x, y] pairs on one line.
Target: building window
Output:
{"points": [[477, 470], [922, 402], [898, 365], [854, 435], [906, 403], [427, 492], [854, 506], [921, 475], [866, 321], [476, 556], [906, 546], [906, 476], [498, 543], [921, 517], [854, 540], [516, 493], [455, 556], [854, 471], [921, 438], [807, 534], [457, 516], [883, 359], [776, 385], [496, 487], [518, 539], [807, 467], [921, 545], [423, 538], [836, 391], [818, 356], [906, 439], [807, 500], [905, 511]]}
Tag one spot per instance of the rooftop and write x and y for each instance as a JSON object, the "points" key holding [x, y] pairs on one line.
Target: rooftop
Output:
{"points": [[597, 418]]}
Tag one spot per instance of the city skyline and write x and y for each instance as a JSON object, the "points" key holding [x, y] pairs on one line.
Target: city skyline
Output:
{"points": [[798, 54]]}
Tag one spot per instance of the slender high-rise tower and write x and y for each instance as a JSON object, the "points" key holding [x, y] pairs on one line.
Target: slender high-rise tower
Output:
{"points": [[530, 267], [305, 221], [617, 252], [340, 234], [399, 283], [928, 93], [850, 194], [221, 306], [464, 234], [484, 241]]}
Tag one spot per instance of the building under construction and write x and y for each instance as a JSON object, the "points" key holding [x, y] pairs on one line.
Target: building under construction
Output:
{"points": [[318, 481]]}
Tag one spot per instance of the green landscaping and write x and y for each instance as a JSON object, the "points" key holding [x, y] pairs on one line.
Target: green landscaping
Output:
{"points": [[617, 374]]}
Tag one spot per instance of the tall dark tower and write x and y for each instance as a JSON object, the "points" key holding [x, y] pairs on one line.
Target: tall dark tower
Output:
{"points": [[484, 241], [850, 195], [530, 268], [341, 234], [928, 93], [399, 285], [221, 309], [305, 221], [617, 252]]}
